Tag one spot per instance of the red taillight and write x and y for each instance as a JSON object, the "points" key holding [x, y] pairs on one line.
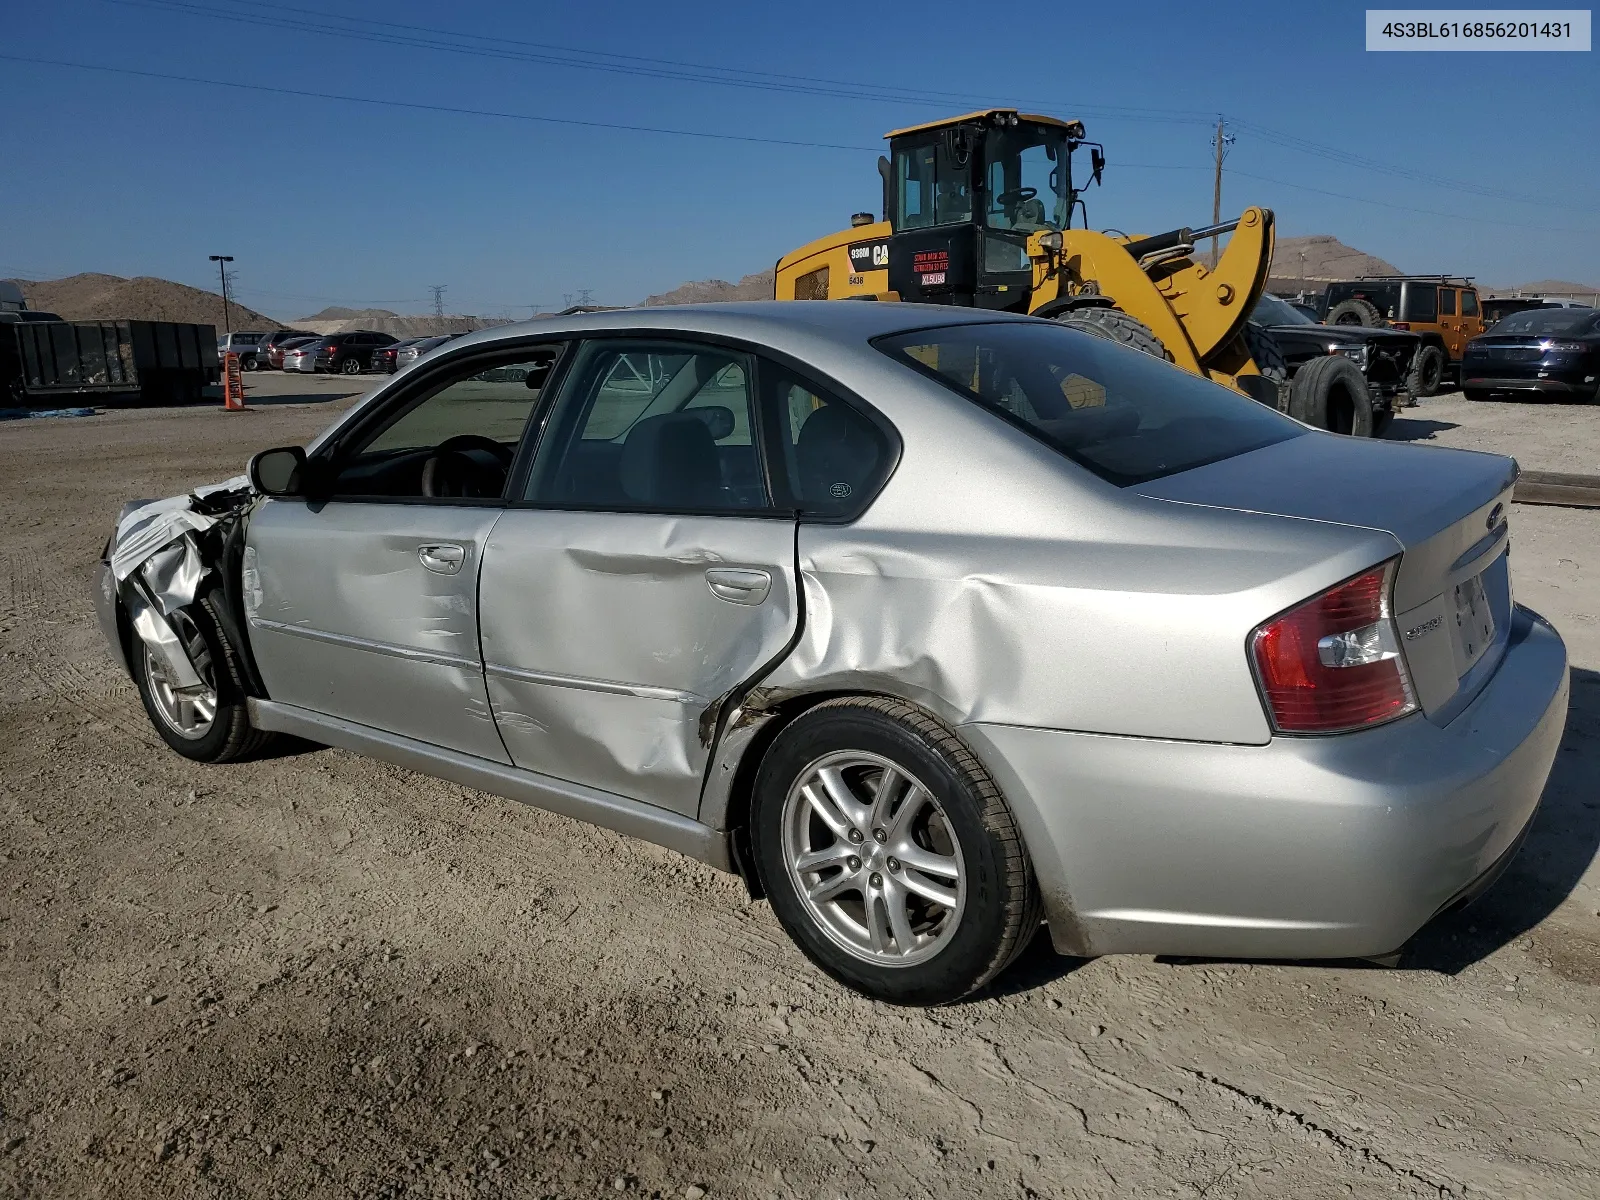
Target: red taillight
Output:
{"points": [[1399, 324], [1333, 663]]}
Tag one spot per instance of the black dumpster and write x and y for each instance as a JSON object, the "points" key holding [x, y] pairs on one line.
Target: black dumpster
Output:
{"points": [[47, 363]]}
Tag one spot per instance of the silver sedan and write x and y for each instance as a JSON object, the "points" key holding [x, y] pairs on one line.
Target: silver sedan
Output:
{"points": [[934, 625]]}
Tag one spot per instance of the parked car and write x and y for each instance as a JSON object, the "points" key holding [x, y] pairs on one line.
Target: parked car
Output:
{"points": [[275, 354], [302, 356], [1442, 310], [246, 345], [409, 353], [265, 356], [1079, 637], [1497, 308], [383, 358], [1345, 378], [350, 353], [1542, 351]]}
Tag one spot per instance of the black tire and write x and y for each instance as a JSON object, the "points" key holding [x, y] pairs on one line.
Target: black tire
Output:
{"points": [[231, 736], [1331, 393], [249, 363], [1354, 311], [350, 366], [1002, 910], [1427, 371], [1265, 352], [1382, 418], [1116, 326]]}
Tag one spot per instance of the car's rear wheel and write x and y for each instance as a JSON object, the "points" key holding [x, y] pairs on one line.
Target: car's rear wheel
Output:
{"points": [[210, 723], [889, 855], [351, 366]]}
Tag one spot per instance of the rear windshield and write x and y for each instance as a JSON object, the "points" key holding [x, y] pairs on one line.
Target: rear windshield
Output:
{"points": [[1124, 415], [1545, 320]]}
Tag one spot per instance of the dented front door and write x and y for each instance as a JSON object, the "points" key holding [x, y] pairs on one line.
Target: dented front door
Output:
{"points": [[368, 611], [606, 637]]}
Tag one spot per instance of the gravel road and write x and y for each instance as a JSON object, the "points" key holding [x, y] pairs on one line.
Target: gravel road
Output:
{"points": [[318, 975]]}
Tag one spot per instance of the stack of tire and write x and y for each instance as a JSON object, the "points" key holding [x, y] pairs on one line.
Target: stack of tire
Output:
{"points": [[1329, 393]]}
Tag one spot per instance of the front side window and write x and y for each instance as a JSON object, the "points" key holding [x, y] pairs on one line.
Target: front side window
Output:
{"points": [[1469, 304], [931, 187], [653, 426], [1125, 416], [1447, 302], [454, 441]]}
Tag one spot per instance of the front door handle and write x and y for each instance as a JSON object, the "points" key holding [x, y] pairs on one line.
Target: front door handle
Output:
{"points": [[739, 585], [443, 557]]}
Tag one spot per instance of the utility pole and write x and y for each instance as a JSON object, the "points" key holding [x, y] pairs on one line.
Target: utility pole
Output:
{"points": [[1223, 141], [222, 261], [438, 298]]}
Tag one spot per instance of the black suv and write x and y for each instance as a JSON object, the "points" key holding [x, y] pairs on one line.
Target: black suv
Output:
{"points": [[350, 353], [1347, 378]]}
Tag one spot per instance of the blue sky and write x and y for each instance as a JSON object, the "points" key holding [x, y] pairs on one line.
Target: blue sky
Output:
{"points": [[1477, 163]]}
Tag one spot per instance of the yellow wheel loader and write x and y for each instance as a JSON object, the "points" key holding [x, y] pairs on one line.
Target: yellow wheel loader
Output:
{"points": [[978, 211]]}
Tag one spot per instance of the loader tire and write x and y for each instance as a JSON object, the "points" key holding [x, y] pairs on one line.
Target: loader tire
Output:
{"points": [[1331, 393], [1354, 311], [1427, 371], [1265, 352], [1116, 326]]}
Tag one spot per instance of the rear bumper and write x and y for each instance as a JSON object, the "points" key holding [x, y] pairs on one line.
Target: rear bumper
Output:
{"points": [[1511, 383], [1327, 847]]}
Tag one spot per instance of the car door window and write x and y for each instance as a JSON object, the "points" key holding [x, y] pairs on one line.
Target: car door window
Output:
{"points": [[652, 426], [1469, 304], [1422, 303], [454, 440], [834, 458], [1447, 302]]}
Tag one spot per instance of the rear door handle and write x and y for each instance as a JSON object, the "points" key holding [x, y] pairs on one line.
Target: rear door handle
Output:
{"points": [[443, 557], [739, 585]]}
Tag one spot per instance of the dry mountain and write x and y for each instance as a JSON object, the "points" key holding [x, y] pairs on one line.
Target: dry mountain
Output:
{"points": [[92, 297]]}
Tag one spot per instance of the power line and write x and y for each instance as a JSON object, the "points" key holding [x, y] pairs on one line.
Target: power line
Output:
{"points": [[442, 108], [428, 38], [438, 290]]}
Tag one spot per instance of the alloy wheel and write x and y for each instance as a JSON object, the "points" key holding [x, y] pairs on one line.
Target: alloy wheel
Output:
{"points": [[188, 712], [873, 858]]}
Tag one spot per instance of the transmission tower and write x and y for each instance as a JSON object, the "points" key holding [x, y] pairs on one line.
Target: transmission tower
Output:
{"points": [[438, 298]]}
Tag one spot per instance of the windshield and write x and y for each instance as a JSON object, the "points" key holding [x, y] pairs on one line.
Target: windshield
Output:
{"points": [[1535, 321], [1269, 310], [1124, 415], [1027, 185]]}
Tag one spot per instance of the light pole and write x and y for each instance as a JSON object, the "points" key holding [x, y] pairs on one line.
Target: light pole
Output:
{"points": [[222, 261]]}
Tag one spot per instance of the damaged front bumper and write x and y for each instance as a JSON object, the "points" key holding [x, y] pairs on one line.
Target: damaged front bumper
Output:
{"points": [[156, 563]]}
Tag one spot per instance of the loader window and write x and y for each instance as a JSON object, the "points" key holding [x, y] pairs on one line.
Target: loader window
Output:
{"points": [[930, 188], [1026, 184]]}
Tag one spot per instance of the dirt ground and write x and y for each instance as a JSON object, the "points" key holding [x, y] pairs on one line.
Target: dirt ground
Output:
{"points": [[318, 975]]}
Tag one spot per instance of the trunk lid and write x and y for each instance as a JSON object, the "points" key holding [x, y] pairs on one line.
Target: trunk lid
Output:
{"points": [[1446, 508]]}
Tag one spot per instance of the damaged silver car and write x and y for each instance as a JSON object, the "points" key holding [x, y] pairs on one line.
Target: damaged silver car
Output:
{"points": [[933, 624]]}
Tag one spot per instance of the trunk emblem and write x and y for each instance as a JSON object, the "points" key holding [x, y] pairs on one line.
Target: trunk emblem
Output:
{"points": [[1495, 514], [1426, 627]]}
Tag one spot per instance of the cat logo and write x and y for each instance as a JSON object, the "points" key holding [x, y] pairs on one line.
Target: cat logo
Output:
{"points": [[870, 256]]}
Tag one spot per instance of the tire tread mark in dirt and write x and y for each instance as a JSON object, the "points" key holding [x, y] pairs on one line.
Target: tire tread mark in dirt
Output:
{"points": [[1300, 1120]]}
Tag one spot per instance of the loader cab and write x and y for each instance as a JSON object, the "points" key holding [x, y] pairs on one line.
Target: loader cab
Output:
{"points": [[964, 195]]}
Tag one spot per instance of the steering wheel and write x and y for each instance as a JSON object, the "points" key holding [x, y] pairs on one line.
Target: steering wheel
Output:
{"points": [[451, 472], [1016, 196]]}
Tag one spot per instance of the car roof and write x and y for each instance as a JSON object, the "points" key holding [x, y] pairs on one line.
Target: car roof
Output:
{"points": [[790, 325]]}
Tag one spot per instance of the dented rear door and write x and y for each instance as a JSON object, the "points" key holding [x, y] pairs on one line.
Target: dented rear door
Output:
{"points": [[607, 636]]}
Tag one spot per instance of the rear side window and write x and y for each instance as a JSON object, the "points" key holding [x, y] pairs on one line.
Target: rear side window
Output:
{"points": [[1124, 415], [1422, 302], [834, 458], [1447, 302], [1469, 304]]}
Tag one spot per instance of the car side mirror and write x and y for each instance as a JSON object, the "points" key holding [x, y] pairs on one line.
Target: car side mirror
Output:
{"points": [[279, 472]]}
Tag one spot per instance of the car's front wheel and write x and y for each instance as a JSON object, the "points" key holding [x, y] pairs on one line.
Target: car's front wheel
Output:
{"points": [[889, 854]]}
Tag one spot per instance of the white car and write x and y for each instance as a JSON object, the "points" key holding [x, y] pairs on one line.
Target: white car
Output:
{"points": [[302, 358]]}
